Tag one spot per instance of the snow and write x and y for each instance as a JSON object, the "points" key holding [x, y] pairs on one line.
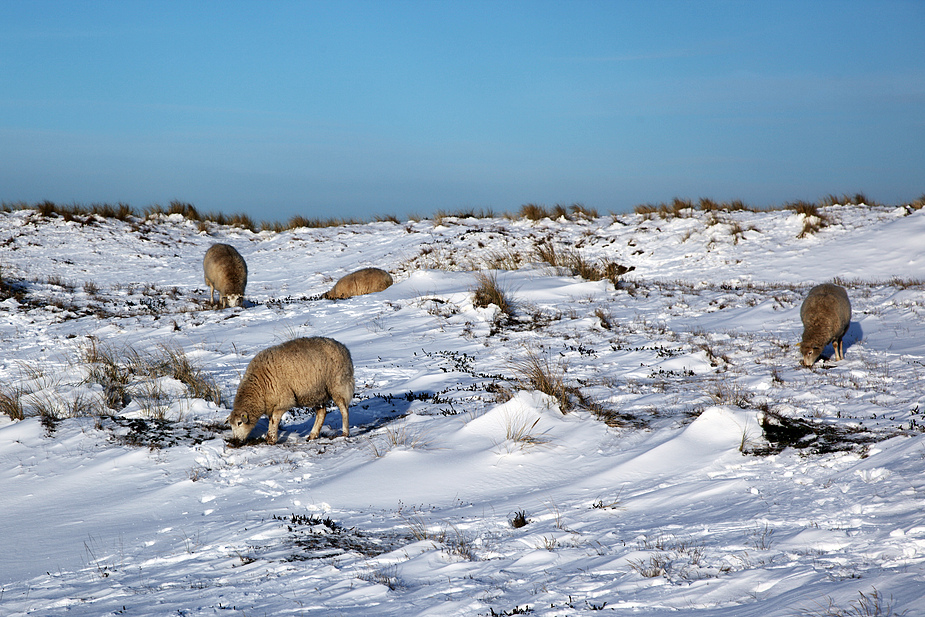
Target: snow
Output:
{"points": [[660, 492]]}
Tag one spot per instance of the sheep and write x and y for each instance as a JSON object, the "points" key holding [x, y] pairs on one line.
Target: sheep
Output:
{"points": [[303, 372], [365, 281], [826, 313], [225, 272]]}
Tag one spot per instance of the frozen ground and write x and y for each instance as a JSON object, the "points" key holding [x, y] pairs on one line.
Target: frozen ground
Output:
{"points": [[701, 469]]}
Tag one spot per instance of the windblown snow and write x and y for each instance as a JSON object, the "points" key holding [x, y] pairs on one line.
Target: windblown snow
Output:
{"points": [[688, 463]]}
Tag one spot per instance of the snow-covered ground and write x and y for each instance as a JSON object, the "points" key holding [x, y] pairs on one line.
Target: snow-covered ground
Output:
{"points": [[658, 492]]}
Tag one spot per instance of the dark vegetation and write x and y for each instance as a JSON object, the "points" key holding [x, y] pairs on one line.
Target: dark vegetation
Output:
{"points": [[678, 207]]}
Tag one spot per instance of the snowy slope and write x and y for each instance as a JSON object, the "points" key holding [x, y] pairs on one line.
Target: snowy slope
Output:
{"points": [[659, 493]]}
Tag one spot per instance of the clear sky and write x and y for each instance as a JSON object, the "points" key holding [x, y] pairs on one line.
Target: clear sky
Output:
{"points": [[336, 109]]}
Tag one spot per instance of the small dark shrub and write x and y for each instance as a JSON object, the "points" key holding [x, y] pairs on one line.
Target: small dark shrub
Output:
{"points": [[519, 520]]}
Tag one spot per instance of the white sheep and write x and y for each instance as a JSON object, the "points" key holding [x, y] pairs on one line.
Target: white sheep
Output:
{"points": [[826, 313], [303, 372], [365, 281], [226, 272]]}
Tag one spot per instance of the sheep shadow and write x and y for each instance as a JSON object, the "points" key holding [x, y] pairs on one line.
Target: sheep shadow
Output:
{"points": [[853, 335], [367, 414]]}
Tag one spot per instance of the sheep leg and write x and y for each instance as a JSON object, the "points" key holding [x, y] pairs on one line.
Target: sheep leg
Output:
{"points": [[273, 430], [212, 294], [320, 413], [837, 347], [345, 417]]}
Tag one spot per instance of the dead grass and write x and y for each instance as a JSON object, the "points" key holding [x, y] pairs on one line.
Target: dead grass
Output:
{"points": [[535, 372], [489, 291], [173, 362], [677, 208], [917, 204], [400, 436], [684, 208], [857, 199], [577, 265], [519, 431], [574, 212], [871, 604], [813, 218], [11, 404], [120, 370], [507, 259]]}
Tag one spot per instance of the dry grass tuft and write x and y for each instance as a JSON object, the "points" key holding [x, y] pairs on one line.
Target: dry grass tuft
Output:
{"points": [[489, 291], [534, 212], [574, 212], [401, 436], [173, 362], [577, 265], [11, 402], [917, 204], [536, 373], [813, 218], [871, 604], [117, 371], [857, 199], [519, 430]]}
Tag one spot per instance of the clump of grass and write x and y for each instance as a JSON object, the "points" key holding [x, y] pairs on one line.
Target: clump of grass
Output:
{"points": [[684, 208], [504, 260], [54, 407], [186, 210], [723, 394], [440, 216], [605, 317], [519, 430], [577, 265], [535, 373], [11, 402], [383, 576], [737, 231], [856, 200], [117, 370], [152, 400], [534, 212], [173, 362], [299, 221], [656, 565], [489, 291], [761, 537], [813, 218], [575, 212], [454, 541], [871, 604], [106, 371], [917, 204], [678, 208], [398, 437], [736, 205], [11, 289]]}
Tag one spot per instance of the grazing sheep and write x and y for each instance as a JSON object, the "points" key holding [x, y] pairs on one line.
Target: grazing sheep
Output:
{"points": [[365, 281], [226, 272], [826, 313], [303, 372]]}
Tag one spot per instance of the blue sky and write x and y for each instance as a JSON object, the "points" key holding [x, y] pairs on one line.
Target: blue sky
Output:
{"points": [[334, 109]]}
